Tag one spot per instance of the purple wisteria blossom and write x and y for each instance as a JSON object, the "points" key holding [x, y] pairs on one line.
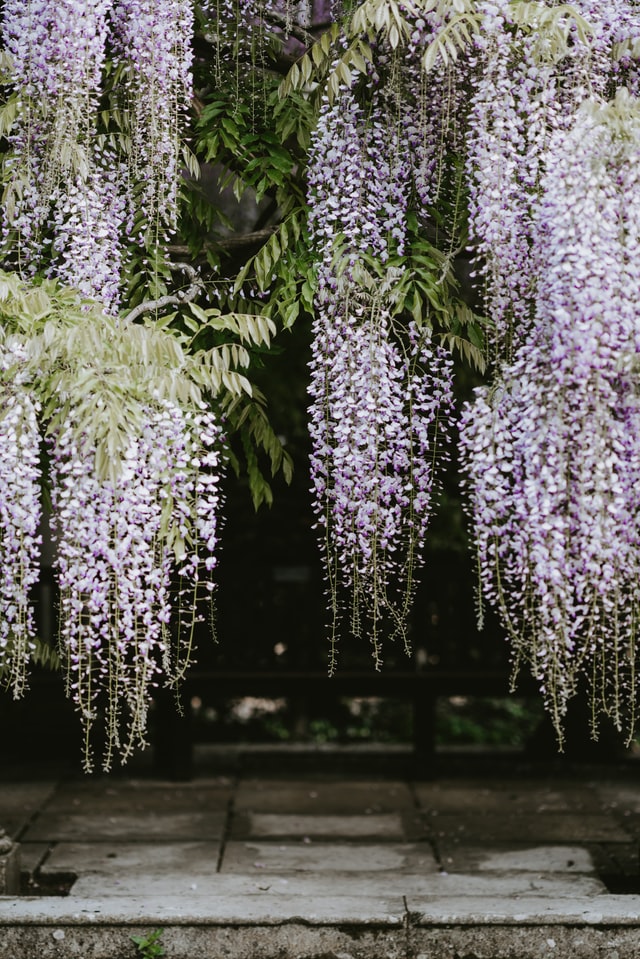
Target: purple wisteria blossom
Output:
{"points": [[130, 550], [524, 90], [433, 106], [57, 53], [551, 451], [87, 217], [380, 392], [19, 517], [119, 547], [621, 27], [66, 181], [152, 45]]}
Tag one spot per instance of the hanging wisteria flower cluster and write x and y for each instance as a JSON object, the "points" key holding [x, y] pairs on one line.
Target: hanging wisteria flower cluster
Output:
{"points": [[116, 561], [441, 125], [527, 84], [132, 458], [381, 391], [78, 191], [551, 450], [57, 55], [86, 218], [19, 515], [433, 114], [152, 46], [57, 52]]}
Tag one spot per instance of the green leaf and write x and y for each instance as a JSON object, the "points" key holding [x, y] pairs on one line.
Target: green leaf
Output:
{"points": [[8, 113], [198, 312], [469, 352], [290, 314], [451, 40]]}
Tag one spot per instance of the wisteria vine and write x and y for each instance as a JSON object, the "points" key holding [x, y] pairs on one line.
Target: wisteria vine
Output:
{"points": [[79, 191], [131, 543], [381, 390], [133, 470], [551, 450]]}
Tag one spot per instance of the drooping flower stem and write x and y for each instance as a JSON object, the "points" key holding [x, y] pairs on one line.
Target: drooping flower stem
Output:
{"points": [[80, 188], [378, 385], [551, 452], [133, 466], [19, 518]]}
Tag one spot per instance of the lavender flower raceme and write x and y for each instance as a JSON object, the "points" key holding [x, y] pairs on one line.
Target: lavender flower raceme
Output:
{"points": [[152, 45], [66, 178], [118, 545], [433, 107], [57, 52], [373, 414], [527, 85], [19, 517], [551, 452], [87, 217]]}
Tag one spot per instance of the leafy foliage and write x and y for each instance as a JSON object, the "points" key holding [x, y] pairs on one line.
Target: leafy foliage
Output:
{"points": [[149, 946], [230, 199], [106, 370]]}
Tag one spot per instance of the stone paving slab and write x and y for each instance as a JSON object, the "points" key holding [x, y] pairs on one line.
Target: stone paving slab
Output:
{"points": [[505, 884], [516, 857], [619, 798], [345, 887], [143, 826], [124, 871], [543, 828], [190, 938], [479, 910], [181, 886], [509, 797], [108, 796], [247, 910], [20, 801], [373, 885], [107, 869], [333, 867], [309, 796], [381, 826], [250, 858]]}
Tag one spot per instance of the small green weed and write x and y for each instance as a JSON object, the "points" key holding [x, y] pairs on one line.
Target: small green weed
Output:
{"points": [[149, 947]]}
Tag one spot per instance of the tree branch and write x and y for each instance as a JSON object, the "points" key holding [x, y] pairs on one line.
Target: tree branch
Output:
{"points": [[171, 299], [293, 29]]}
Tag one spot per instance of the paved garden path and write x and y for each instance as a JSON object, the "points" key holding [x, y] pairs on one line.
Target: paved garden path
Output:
{"points": [[326, 864]]}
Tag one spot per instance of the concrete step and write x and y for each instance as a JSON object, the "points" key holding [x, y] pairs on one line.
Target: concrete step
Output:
{"points": [[265, 925], [326, 867]]}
